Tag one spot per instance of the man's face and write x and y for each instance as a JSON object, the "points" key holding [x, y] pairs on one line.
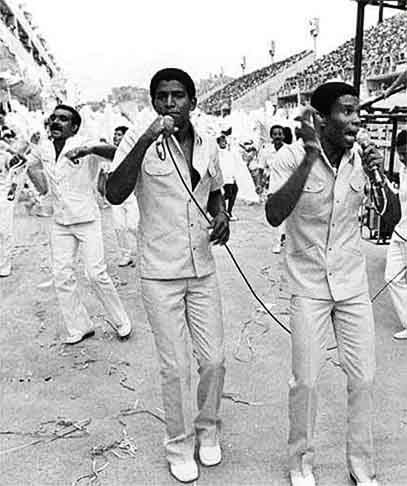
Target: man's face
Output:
{"points": [[61, 125], [117, 137], [222, 143], [277, 136], [402, 153], [171, 98], [340, 127]]}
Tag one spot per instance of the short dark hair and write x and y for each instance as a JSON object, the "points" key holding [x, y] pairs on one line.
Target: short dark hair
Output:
{"points": [[170, 74], [325, 96], [401, 139], [221, 137], [288, 135], [121, 128], [76, 117], [274, 127]]}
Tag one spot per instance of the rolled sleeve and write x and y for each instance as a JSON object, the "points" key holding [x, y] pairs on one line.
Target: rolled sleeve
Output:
{"points": [[215, 172], [128, 142], [284, 164]]}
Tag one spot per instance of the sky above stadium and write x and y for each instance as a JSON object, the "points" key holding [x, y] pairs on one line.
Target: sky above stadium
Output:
{"points": [[106, 43]]}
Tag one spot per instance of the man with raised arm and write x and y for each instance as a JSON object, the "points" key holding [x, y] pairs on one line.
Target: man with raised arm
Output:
{"points": [[178, 279], [63, 165], [317, 188]]}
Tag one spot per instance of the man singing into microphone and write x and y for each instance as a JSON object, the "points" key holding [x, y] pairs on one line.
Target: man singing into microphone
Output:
{"points": [[317, 188], [178, 280]]}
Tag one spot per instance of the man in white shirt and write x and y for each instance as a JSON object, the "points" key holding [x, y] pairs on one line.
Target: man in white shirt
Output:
{"points": [[227, 163], [12, 172], [317, 187], [397, 252], [65, 167], [178, 277], [268, 156]]}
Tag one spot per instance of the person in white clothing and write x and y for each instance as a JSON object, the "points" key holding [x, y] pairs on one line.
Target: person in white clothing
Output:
{"points": [[227, 163], [268, 155], [12, 170], [64, 166], [125, 216], [397, 252]]}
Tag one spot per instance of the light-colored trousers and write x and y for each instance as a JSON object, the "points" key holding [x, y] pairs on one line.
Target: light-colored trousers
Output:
{"points": [[65, 241], [125, 221], [178, 310], [396, 261], [6, 234], [353, 324]]}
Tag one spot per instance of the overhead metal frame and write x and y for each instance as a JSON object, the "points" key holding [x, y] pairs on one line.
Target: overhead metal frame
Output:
{"points": [[360, 21]]}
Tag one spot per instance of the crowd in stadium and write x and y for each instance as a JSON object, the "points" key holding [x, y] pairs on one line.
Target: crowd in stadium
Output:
{"points": [[242, 85], [379, 57]]}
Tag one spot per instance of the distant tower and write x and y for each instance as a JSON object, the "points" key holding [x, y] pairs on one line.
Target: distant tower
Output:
{"points": [[243, 65], [314, 31], [272, 50]]}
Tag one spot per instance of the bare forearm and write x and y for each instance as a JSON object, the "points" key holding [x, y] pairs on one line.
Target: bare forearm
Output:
{"points": [[216, 203], [280, 205], [38, 178], [105, 150], [122, 181]]}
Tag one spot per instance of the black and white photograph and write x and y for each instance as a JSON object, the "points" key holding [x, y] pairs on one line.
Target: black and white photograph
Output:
{"points": [[203, 243]]}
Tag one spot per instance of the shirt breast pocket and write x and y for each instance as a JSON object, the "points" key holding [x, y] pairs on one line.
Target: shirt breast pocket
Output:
{"points": [[310, 199], [158, 167], [356, 192]]}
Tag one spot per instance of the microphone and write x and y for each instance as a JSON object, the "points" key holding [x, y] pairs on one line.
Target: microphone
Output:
{"points": [[168, 124], [364, 141]]}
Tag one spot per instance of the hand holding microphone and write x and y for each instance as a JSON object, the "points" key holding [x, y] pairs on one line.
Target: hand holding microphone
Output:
{"points": [[372, 159]]}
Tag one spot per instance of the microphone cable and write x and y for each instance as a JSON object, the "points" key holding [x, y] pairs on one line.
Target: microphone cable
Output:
{"points": [[229, 251]]}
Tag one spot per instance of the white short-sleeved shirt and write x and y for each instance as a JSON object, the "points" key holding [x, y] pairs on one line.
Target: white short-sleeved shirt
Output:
{"points": [[401, 227], [173, 236], [228, 165], [323, 253], [72, 186]]}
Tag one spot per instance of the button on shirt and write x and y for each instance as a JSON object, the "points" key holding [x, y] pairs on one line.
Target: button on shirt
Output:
{"points": [[173, 236], [71, 186], [323, 252]]}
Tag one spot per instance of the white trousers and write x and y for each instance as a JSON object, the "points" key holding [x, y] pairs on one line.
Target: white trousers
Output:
{"points": [[396, 261], [6, 234], [65, 241], [352, 321], [179, 310], [125, 220]]}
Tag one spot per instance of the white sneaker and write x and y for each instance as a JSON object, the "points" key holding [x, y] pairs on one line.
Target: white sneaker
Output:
{"points": [[298, 479], [401, 334], [78, 337], [369, 482], [124, 330], [276, 248], [125, 261], [210, 455], [233, 218], [5, 272], [46, 285], [185, 472]]}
